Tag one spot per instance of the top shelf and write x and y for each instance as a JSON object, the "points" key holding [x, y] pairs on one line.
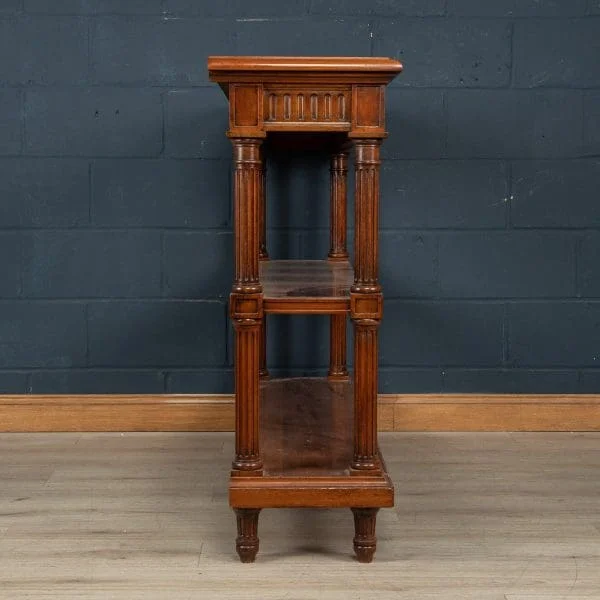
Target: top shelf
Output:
{"points": [[295, 69], [355, 64]]}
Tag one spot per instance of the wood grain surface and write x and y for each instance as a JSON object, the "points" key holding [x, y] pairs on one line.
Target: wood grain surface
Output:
{"points": [[309, 286], [144, 516], [299, 95], [396, 412], [306, 427]]}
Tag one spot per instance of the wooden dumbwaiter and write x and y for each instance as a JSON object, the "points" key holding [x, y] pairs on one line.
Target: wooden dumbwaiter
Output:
{"points": [[307, 442]]}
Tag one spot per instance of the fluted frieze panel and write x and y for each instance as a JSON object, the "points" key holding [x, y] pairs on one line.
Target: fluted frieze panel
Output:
{"points": [[301, 106]]}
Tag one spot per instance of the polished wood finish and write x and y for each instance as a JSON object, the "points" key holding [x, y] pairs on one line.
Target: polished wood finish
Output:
{"points": [[248, 199], [246, 542], [263, 254], [285, 67], [365, 541], [306, 286], [338, 182], [246, 301], [365, 396], [366, 219], [304, 94], [337, 348], [338, 252], [306, 427], [317, 440], [307, 445], [247, 352], [263, 371]]}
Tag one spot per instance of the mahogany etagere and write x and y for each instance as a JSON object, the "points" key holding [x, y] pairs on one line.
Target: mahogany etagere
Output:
{"points": [[307, 442]]}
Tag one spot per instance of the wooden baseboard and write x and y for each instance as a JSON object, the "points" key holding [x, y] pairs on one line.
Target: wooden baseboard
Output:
{"points": [[397, 412], [114, 412], [498, 412]]}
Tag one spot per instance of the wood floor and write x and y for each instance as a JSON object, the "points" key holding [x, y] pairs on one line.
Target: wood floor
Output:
{"points": [[494, 516]]}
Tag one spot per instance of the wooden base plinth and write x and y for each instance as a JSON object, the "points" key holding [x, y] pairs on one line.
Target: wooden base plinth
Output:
{"points": [[315, 492], [306, 429]]}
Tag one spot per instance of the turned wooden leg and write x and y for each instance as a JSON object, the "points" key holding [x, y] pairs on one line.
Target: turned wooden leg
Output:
{"points": [[246, 542], [365, 541]]}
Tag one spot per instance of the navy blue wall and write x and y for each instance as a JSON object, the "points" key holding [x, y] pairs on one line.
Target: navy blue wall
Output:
{"points": [[115, 212]]}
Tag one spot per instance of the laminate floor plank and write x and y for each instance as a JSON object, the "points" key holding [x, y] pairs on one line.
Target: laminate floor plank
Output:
{"points": [[498, 516]]}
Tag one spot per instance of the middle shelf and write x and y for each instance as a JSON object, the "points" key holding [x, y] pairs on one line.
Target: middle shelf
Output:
{"points": [[306, 286]]}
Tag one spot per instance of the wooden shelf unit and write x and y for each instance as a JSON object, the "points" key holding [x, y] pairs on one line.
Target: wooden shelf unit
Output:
{"points": [[307, 442]]}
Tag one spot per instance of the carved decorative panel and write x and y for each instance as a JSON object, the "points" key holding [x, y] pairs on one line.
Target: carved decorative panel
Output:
{"points": [[298, 106]]}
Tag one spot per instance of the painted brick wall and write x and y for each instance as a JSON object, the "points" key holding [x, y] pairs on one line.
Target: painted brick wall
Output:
{"points": [[115, 213]]}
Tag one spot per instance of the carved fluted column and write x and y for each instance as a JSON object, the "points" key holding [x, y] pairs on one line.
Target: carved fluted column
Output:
{"points": [[338, 251], [366, 220], [247, 195], [365, 394], [338, 203], [337, 347], [366, 304], [263, 254], [262, 208], [246, 301]]}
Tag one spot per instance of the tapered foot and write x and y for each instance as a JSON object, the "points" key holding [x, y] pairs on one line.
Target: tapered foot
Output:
{"points": [[246, 542], [365, 541]]}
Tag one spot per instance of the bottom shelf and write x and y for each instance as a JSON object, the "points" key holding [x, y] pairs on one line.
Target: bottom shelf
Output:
{"points": [[306, 427], [306, 438]]}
